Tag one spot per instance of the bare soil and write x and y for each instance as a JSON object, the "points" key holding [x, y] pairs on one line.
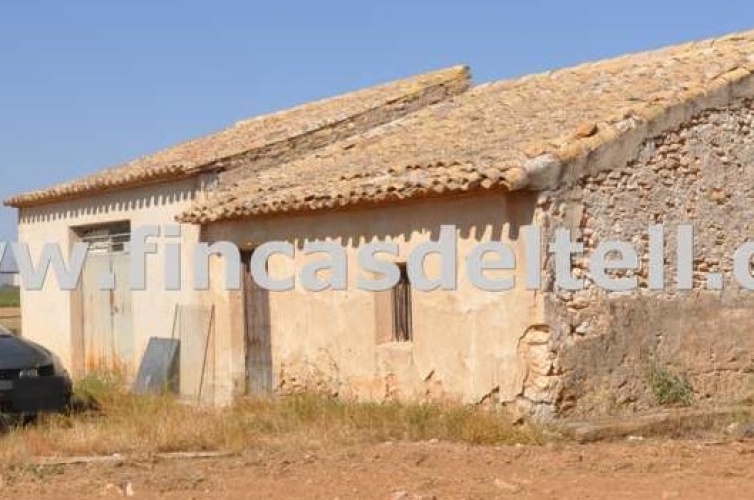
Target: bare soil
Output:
{"points": [[10, 317], [629, 469]]}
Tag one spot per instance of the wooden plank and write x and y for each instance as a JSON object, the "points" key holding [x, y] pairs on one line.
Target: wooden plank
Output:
{"points": [[258, 336]]}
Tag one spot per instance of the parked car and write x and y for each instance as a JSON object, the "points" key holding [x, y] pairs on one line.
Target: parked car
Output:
{"points": [[32, 379]]}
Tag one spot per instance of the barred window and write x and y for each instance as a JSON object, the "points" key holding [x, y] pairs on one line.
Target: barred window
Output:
{"points": [[107, 239], [401, 301]]}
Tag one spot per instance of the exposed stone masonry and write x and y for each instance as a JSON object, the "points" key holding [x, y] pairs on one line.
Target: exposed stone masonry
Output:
{"points": [[701, 174]]}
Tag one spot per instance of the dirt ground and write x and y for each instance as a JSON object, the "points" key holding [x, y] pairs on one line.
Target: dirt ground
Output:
{"points": [[10, 317], [641, 469]]}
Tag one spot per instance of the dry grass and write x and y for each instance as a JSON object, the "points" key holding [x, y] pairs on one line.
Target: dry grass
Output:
{"points": [[144, 425]]}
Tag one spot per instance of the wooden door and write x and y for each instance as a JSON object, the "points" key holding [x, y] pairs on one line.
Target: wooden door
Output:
{"points": [[107, 317], [258, 335]]}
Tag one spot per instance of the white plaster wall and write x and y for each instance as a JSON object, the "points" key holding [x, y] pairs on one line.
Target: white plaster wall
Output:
{"points": [[466, 342], [51, 316]]}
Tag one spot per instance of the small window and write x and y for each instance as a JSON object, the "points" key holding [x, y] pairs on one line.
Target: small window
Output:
{"points": [[401, 302], [107, 239]]}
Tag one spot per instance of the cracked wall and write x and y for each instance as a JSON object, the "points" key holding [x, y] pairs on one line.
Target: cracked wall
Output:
{"points": [[469, 345]]}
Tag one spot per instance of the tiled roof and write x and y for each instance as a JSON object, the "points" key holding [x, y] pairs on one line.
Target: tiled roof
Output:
{"points": [[297, 130], [505, 135]]}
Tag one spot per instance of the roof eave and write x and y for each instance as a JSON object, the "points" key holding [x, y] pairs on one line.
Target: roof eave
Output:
{"points": [[31, 200]]}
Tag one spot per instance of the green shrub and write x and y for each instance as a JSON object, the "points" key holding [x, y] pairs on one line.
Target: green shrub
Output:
{"points": [[670, 389]]}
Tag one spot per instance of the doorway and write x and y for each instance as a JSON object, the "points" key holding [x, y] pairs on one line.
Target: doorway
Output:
{"points": [[107, 321], [258, 332]]}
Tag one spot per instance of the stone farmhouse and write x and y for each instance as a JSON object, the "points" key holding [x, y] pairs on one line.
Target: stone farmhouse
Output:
{"points": [[605, 149]]}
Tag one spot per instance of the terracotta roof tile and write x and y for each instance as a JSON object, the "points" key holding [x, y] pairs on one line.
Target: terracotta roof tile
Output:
{"points": [[365, 108], [499, 135]]}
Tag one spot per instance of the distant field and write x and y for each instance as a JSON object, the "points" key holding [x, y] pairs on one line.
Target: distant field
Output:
{"points": [[9, 297]]}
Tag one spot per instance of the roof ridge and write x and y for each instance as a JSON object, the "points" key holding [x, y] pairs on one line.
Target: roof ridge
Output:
{"points": [[186, 158], [533, 132]]}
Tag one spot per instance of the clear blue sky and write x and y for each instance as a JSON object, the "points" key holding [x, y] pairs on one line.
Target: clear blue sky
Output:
{"points": [[88, 84]]}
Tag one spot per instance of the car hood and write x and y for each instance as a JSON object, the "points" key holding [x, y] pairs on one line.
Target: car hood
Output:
{"points": [[17, 353]]}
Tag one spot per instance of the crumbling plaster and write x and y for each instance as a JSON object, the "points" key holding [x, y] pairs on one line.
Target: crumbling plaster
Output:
{"points": [[699, 173]]}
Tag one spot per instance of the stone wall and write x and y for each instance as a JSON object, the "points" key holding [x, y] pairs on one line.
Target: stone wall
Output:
{"points": [[605, 344]]}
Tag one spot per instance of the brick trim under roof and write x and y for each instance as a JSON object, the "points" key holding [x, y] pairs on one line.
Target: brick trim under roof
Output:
{"points": [[275, 138], [530, 133]]}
